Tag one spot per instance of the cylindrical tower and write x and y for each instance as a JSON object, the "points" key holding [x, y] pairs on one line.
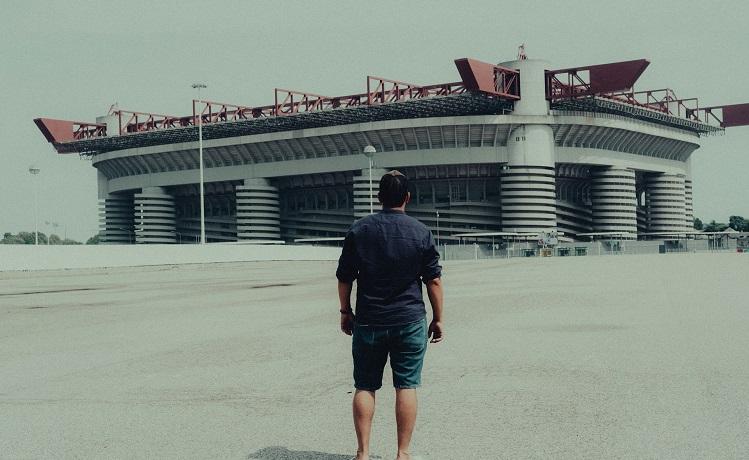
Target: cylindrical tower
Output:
{"points": [[258, 213], [528, 181], [688, 206], [116, 219], [362, 198], [665, 202], [155, 219], [614, 200]]}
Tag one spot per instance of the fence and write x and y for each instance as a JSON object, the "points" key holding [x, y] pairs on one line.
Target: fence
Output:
{"points": [[469, 251]]}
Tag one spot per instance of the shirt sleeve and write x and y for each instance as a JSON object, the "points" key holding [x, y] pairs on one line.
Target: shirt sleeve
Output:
{"points": [[430, 267], [348, 269]]}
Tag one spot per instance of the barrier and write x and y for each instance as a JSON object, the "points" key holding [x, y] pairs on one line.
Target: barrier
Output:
{"points": [[43, 257]]}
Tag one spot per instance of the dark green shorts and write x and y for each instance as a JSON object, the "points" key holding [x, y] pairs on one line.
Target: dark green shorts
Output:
{"points": [[406, 346]]}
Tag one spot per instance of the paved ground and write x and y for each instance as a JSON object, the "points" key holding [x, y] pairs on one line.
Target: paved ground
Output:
{"points": [[597, 357]]}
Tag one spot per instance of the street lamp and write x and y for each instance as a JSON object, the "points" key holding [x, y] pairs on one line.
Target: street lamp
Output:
{"points": [[34, 171], [200, 86], [438, 227], [369, 152]]}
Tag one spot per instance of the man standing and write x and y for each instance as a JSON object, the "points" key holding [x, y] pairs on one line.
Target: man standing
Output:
{"points": [[390, 255]]}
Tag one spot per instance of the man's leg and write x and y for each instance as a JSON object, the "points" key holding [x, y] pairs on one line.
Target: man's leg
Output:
{"points": [[364, 407], [405, 417]]}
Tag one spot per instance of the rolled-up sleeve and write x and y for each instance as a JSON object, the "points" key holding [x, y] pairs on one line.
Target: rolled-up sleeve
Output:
{"points": [[348, 269], [430, 267]]}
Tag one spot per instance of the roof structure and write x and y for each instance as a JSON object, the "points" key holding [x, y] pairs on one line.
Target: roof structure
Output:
{"points": [[484, 89]]}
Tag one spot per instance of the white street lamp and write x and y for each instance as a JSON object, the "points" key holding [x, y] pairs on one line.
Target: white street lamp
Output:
{"points": [[438, 227], [34, 171], [369, 152], [199, 86]]}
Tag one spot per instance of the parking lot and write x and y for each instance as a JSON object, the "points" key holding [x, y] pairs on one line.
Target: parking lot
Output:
{"points": [[563, 357]]}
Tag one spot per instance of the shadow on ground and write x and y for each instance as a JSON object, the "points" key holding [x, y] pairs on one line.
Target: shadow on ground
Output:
{"points": [[282, 453]]}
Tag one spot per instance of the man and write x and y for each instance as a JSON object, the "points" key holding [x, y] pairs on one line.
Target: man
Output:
{"points": [[390, 255]]}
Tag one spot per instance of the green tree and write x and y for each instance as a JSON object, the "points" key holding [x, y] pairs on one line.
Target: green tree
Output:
{"points": [[96, 239], [698, 225], [715, 226], [738, 223]]}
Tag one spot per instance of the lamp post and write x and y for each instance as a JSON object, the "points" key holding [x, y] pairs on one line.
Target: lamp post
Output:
{"points": [[438, 227], [199, 86], [369, 152], [34, 171]]}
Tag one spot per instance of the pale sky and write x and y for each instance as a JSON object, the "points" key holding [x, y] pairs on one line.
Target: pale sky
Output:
{"points": [[72, 60]]}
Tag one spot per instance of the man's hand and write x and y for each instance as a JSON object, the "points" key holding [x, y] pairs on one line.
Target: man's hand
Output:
{"points": [[435, 331], [347, 323]]}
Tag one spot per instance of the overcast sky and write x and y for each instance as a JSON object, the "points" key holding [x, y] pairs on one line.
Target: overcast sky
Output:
{"points": [[72, 60]]}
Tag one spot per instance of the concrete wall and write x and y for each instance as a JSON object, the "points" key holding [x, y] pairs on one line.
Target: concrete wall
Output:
{"points": [[30, 257]]}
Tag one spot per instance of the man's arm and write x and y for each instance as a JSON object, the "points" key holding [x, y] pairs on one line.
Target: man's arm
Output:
{"points": [[346, 273], [431, 274], [347, 314], [434, 290]]}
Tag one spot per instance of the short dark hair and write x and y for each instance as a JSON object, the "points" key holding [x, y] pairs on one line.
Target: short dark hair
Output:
{"points": [[393, 189]]}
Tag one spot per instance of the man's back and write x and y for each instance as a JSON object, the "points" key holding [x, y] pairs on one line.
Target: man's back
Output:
{"points": [[390, 254]]}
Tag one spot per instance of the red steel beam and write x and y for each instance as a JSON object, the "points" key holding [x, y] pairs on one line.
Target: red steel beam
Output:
{"points": [[662, 100], [728, 116], [57, 131], [137, 122], [594, 79], [489, 78], [292, 102]]}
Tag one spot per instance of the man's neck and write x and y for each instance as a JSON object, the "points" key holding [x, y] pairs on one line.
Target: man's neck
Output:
{"points": [[398, 209]]}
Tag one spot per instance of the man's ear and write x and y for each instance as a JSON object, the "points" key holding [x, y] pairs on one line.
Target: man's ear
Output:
{"points": [[379, 197], [408, 198]]}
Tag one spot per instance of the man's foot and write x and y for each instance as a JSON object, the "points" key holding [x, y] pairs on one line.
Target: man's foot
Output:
{"points": [[403, 456], [361, 456]]}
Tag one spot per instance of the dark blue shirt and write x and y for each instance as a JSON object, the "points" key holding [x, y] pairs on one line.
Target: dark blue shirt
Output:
{"points": [[390, 255]]}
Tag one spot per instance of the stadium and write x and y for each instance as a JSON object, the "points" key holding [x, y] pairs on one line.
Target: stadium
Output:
{"points": [[516, 148]]}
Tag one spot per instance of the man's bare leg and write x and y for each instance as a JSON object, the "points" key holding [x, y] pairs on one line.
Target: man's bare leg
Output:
{"points": [[405, 417], [364, 407]]}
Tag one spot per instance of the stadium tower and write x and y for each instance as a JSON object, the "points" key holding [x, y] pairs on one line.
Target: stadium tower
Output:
{"points": [[510, 148]]}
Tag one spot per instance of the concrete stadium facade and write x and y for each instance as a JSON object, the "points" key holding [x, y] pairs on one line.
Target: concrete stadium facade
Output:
{"points": [[530, 167]]}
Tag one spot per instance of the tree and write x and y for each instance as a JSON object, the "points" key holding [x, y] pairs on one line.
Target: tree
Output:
{"points": [[715, 227], [698, 225], [96, 239], [738, 223], [28, 238]]}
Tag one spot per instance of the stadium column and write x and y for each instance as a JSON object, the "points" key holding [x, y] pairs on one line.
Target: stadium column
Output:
{"points": [[258, 213], [688, 207], [665, 202], [116, 219], [155, 218], [614, 200], [115, 215], [528, 180], [362, 199]]}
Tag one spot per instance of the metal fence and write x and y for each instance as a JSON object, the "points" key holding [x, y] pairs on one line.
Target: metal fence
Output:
{"points": [[470, 251]]}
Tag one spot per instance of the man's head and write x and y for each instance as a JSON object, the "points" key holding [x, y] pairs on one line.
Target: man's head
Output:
{"points": [[393, 190]]}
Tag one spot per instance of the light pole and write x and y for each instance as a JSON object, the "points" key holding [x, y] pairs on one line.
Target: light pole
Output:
{"points": [[199, 86], [438, 227], [34, 171], [369, 152]]}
